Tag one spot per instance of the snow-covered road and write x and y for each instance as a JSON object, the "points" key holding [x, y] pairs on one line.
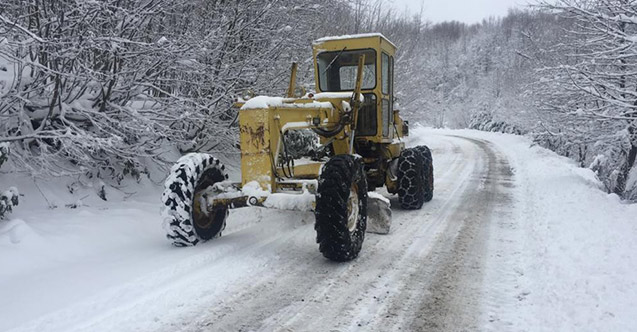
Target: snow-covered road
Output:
{"points": [[425, 274], [487, 253]]}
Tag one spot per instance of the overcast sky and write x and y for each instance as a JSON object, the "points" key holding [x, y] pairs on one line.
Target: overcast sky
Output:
{"points": [[468, 11]]}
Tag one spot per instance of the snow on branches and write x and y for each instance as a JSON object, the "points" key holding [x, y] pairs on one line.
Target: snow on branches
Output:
{"points": [[4, 153], [8, 200], [589, 95], [102, 88], [484, 121]]}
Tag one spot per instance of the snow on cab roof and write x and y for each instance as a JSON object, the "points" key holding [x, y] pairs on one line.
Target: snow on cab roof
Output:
{"points": [[360, 35]]}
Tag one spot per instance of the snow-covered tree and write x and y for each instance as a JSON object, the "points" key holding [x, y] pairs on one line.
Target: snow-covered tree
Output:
{"points": [[102, 88], [593, 89]]}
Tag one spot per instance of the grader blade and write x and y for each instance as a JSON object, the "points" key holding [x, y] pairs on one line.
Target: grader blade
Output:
{"points": [[378, 214]]}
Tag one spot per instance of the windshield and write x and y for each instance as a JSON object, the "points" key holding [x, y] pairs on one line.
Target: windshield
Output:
{"points": [[337, 70]]}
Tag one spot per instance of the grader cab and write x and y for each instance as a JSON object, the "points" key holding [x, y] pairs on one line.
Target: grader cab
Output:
{"points": [[357, 145]]}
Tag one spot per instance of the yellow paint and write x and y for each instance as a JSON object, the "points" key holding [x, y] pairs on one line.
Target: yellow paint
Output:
{"points": [[306, 171], [260, 139]]}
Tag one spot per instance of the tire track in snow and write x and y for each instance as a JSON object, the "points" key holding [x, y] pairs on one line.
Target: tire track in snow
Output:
{"points": [[452, 301]]}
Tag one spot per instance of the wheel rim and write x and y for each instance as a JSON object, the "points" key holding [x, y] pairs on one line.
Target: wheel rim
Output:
{"points": [[352, 208], [200, 215]]}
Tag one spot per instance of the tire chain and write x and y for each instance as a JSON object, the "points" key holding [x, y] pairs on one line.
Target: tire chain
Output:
{"points": [[428, 171], [411, 190]]}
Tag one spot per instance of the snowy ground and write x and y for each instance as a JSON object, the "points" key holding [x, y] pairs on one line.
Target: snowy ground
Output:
{"points": [[515, 239]]}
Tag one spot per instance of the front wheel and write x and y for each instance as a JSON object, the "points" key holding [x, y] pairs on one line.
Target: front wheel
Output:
{"points": [[187, 220], [341, 208]]}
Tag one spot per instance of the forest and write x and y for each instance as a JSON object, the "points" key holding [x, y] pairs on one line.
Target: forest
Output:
{"points": [[111, 89]]}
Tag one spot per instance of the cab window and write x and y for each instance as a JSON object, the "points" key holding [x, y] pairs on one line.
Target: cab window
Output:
{"points": [[337, 70], [385, 74]]}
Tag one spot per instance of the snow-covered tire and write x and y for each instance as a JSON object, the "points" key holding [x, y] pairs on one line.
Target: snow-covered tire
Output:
{"points": [[341, 208], [192, 174], [428, 170], [411, 179]]}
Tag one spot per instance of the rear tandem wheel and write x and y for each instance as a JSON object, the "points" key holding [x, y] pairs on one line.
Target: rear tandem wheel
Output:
{"points": [[428, 171]]}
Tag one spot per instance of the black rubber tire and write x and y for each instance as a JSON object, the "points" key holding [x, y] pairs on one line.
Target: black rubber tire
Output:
{"points": [[428, 171], [411, 179], [426, 152], [192, 173], [340, 175]]}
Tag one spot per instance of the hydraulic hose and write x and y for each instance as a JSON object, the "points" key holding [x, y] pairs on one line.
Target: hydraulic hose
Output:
{"points": [[331, 132]]}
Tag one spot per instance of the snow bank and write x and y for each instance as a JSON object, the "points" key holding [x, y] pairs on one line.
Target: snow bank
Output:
{"points": [[17, 231], [567, 260]]}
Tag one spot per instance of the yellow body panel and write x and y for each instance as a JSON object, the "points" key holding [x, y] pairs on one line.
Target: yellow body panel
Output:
{"points": [[255, 137], [305, 171], [260, 138]]}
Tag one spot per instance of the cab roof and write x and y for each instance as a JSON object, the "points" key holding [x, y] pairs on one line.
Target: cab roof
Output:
{"points": [[357, 36]]}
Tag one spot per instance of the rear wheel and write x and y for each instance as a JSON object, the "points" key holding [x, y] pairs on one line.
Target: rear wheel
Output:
{"points": [[411, 179], [186, 217], [341, 208], [428, 170]]}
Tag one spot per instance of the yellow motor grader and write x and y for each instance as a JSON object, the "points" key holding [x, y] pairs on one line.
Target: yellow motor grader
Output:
{"points": [[357, 147]]}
